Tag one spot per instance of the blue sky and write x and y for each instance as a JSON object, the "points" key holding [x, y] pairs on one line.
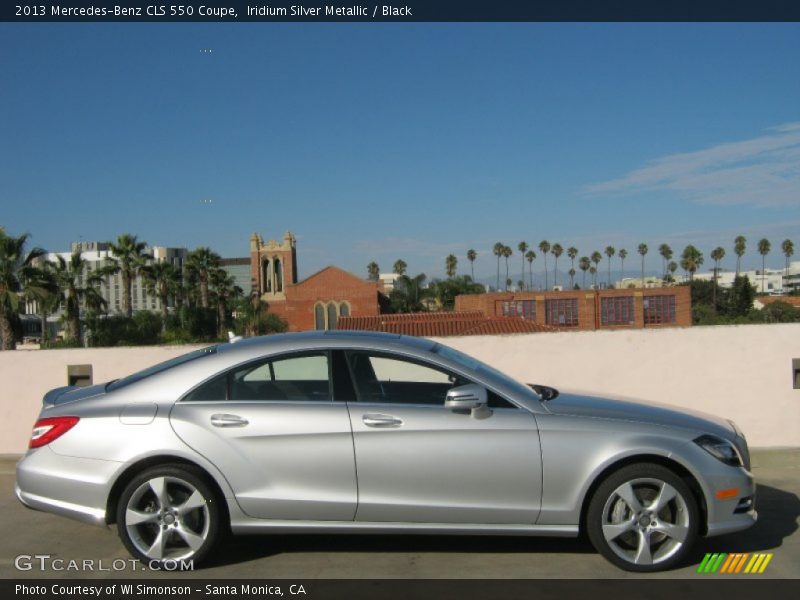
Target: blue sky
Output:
{"points": [[386, 141]]}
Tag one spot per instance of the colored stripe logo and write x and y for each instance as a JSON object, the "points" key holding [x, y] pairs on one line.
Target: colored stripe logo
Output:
{"points": [[739, 562]]}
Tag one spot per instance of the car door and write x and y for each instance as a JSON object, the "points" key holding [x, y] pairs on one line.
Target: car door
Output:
{"points": [[273, 429], [420, 462]]}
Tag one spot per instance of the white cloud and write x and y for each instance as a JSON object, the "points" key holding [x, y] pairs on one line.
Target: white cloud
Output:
{"points": [[763, 171]]}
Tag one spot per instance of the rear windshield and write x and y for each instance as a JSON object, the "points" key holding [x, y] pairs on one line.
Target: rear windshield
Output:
{"points": [[168, 364]]}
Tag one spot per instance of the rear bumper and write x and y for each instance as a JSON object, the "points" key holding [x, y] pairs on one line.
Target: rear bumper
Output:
{"points": [[72, 487]]}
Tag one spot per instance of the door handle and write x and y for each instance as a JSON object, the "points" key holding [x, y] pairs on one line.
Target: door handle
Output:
{"points": [[377, 420], [226, 420]]}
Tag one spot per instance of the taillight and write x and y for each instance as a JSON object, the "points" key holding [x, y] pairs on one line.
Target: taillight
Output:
{"points": [[49, 429]]}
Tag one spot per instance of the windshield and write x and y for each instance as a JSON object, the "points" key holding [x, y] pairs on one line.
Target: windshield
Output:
{"points": [[168, 364], [474, 364]]}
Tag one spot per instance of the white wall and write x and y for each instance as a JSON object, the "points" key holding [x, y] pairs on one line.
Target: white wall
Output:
{"points": [[739, 372]]}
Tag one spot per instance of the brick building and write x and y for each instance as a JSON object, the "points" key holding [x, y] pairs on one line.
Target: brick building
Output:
{"points": [[588, 309], [316, 302]]}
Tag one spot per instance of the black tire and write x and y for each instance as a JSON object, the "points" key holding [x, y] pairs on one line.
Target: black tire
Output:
{"points": [[630, 536], [187, 516]]}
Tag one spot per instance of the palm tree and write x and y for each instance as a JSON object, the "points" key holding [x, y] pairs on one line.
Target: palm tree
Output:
{"points": [[672, 266], [787, 246], [18, 275], [161, 280], [572, 253], [623, 254], [572, 277], [557, 251], [739, 247], [596, 258], [717, 254], [763, 249], [129, 257], [593, 273], [450, 264], [471, 256], [610, 252], [523, 248], [691, 259], [202, 261], [225, 292], [642, 249], [666, 254], [507, 252], [583, 264], [399, 267], [73, 292], [544, 248], [497, 250], [530, 256], [373, 271]]}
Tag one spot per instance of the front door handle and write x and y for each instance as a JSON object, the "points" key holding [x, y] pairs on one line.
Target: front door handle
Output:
{"points": [[379, 420], [226, 420]]}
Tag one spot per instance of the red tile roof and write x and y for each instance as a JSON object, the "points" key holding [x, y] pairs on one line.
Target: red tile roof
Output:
{"points": [[442, 324]]}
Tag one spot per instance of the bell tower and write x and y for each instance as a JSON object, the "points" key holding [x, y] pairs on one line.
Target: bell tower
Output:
{"points": [[273, 266]]}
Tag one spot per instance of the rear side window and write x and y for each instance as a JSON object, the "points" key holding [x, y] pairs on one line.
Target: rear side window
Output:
{"points": [[297, 377]]}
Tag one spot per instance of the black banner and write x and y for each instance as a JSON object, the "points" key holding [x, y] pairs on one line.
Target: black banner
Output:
{"points": [[404, 11], [737, 588]]}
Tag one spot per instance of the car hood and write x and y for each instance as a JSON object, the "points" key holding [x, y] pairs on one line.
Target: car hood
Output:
{"points": [[627, 410]]}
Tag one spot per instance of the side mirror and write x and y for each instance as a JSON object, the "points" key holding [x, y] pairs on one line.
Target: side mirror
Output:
{"points": [[466, 397]]}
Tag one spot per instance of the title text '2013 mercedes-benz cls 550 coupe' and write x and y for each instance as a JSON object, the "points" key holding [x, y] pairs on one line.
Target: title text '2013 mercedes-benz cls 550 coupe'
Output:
{"points": [[377, 433]]}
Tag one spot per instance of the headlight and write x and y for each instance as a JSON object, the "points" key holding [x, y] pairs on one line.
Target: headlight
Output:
{"points": [[720, 449]]}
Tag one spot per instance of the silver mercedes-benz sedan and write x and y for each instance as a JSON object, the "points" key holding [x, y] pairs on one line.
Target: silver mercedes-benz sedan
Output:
{"points": [[376, 433]]}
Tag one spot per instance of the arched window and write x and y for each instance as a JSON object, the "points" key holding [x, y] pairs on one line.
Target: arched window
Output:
{"points": [[278, 275], [266, 277], [332, 316], [344, 309], [319, 317]]}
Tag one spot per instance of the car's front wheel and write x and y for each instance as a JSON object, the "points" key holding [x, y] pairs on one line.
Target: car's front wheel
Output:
{"points": [[168, 516], [643, 517]]}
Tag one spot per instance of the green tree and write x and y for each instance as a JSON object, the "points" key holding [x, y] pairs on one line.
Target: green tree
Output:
{"points": [[19, 276], [498, 250], [642, 250], [373, 271], [623, 254], [201, 262], [471, 256], [583, 264], [672, 266], [444, 292], [666, 255], [691, 260], [572, 278], [226, 292], [76, 287], [544, 248], [740, 297], [596, 258], [399, 267], [739, 248], [763, 249], [408, 294], [787, 246], [530, 256], [572, 254], [161, 279], [450, 264], [557, 251], [507, 252], [610, 252], [717, 254], [593, 273], [129, 258], [523, 248], [253, 318]]}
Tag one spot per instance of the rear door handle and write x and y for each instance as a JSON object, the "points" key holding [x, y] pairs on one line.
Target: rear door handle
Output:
{"points": [[379, 420], [226, 420]]}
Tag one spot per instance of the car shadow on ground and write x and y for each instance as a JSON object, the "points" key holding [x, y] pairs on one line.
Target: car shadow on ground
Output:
{"points": [[778, 511], [778, 514], [245, 548]]}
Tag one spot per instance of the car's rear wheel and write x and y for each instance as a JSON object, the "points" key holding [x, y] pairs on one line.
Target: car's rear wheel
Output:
{"points": [[643, 517], [168, 516]]}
